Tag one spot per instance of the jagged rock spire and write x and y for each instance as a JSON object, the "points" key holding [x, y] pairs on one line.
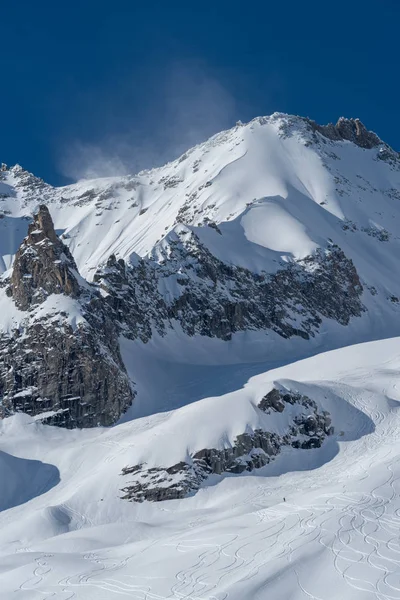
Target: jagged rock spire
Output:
{"points": [[43, 226], [43, 265]]}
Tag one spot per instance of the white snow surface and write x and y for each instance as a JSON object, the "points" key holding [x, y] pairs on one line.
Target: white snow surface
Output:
{"points": [[65, 532]]}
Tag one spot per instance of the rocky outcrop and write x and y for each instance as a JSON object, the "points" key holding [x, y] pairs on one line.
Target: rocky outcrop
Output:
{"points": [[249, 451], [69, 377], [208, 297], [351, 130], [43, 265], [63, 361]]}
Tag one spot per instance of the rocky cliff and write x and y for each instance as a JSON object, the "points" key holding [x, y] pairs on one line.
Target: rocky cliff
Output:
{"points": [[43, 265], [208, 297], [63, 360], [306, 429]]}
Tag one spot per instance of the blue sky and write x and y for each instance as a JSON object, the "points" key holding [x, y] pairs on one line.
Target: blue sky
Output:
{"points": [[96, 87]]}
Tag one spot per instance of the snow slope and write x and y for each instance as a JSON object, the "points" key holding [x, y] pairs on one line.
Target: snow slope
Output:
{"points": [[335, 536]]}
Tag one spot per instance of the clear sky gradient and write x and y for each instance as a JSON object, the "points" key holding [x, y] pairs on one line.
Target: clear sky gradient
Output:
{"points": [[95, 87]]}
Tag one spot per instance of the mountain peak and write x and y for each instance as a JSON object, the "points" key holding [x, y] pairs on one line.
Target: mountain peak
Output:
{"points": [[351, 130]]}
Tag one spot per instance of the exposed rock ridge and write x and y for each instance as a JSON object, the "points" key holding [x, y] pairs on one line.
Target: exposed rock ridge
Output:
{"points": [[352, 130], [208, 297], [249, 451]]}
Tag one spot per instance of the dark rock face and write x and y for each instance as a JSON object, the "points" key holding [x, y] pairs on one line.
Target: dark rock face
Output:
{"points": [[216, 300], [249, 452], [291, 302], [132, 297], [351, 130], [70, 372], [43, 265], [77, 376]]}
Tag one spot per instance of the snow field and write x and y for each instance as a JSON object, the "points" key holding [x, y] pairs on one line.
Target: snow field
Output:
{"points": [[336, 535]]}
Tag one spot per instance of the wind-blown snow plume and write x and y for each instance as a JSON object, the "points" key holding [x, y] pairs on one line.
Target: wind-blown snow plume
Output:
{"points": [[187, 105]]}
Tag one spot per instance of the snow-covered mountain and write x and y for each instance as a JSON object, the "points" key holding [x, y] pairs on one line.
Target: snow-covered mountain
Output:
{"points": [[166, 304], [279, 229]]}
